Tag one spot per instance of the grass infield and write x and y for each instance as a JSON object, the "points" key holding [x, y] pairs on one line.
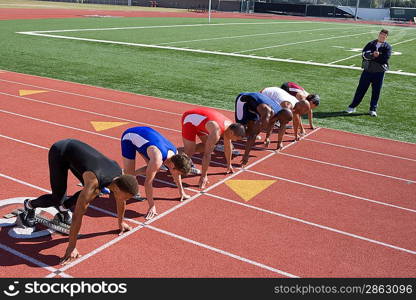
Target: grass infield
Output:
{"points": [[213, 79]]}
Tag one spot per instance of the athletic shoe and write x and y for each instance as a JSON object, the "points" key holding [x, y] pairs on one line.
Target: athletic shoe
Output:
{"points": [[105, 190], [373, 113], [163, 168], [64, 217], [138, 198], [27, 217], [195, 171], [257, 138], [220, 148], [350, 110]]}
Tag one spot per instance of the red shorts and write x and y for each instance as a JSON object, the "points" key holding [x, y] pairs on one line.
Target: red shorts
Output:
{"points": [[194, 121], [190, 131]]}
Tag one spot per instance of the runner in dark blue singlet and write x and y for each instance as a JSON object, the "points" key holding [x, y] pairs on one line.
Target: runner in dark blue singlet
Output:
{"points": [[258, 112]]}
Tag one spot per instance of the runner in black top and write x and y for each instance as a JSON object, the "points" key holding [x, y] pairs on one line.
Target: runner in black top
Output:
{"points": [[95, 171]]}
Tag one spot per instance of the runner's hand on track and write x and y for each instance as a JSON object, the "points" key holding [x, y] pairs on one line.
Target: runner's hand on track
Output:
{"points": [[244, 161], [70, 256], [184, 197], [230, 169], [151, 213], [124, 227]]}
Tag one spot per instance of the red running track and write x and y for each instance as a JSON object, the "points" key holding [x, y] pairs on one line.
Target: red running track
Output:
{"points": [[341, 205]]}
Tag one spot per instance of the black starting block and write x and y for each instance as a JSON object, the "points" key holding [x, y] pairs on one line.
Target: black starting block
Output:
{"points": [[51, 223]]}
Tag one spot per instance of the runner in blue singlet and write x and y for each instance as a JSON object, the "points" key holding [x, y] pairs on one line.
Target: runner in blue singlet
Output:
{"points": [[156, 150]]}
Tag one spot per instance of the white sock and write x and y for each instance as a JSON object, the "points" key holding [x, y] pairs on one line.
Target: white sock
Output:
{"points": [[62, 208], [28, 205]]}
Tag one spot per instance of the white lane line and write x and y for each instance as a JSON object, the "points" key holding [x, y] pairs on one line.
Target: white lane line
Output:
{"points": [[359, 149], [316, 225], [31, 260], [25, 183], [86, 111], [210, 52], [297, 182], [350, 168], [101, 89], [199, 244], [94, 98], [278, 214], [142, 225], [333, 191], [240, 258], [353, 148], [370, 136], [56, 124], [23, 142]]}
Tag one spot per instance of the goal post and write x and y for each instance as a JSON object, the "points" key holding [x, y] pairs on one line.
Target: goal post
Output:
{"points": [[209, 12]]}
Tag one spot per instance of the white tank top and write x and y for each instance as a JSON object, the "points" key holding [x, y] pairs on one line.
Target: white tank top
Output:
{"points": [[279, 95]]}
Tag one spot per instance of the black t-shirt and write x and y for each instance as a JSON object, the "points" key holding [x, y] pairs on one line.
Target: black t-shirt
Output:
{"points": [[81, 157]]}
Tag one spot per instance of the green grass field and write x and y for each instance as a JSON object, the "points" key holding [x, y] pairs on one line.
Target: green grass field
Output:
{"points": [[211, 64]]}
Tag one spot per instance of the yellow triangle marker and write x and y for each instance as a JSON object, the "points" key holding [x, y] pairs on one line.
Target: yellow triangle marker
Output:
{"points": [[247, 189], [100, 126], [30, 92]]}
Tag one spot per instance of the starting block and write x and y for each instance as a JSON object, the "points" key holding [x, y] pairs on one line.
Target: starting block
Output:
{"points": [[220, 148], [50, 223]]}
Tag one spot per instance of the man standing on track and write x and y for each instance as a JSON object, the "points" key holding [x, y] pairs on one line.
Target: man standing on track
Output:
{"points": [[95, 171], [210, 125], [258, 112], [156, 150], [301, 94], [285, 100]]}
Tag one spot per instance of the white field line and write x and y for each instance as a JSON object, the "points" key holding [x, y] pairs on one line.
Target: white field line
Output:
{"points": [[252, 35], [88, 111], [350, 168], [359, 54], [92, 97], [316, 225], [362, 150], [239, 55], [305, 42], [402, 42], [171, 26], [339, 60]]}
